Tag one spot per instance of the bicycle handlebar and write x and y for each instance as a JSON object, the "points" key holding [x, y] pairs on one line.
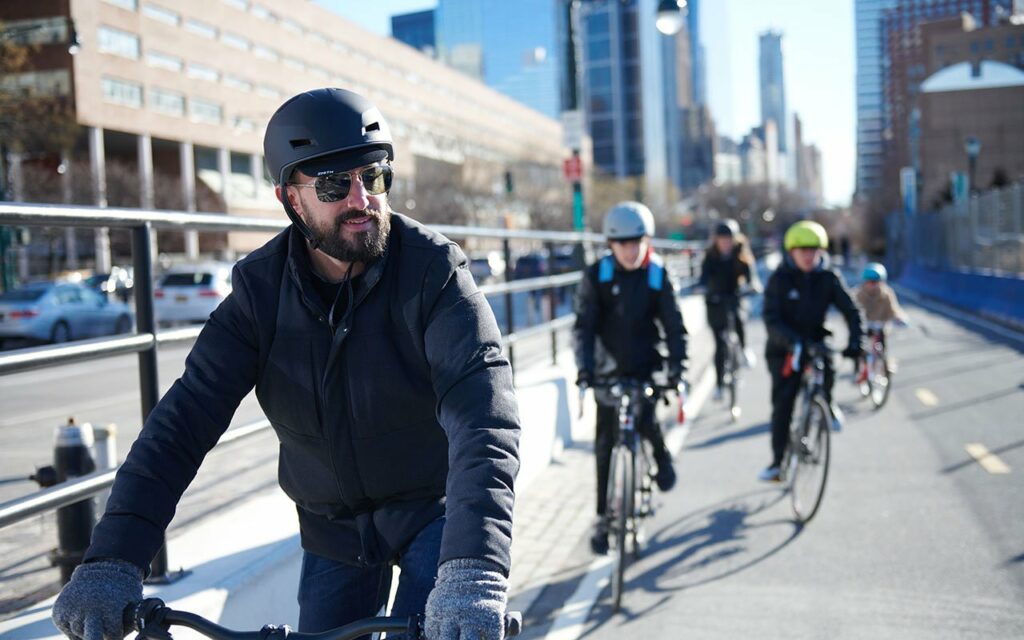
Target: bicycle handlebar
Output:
{"points": [[153, 619]]}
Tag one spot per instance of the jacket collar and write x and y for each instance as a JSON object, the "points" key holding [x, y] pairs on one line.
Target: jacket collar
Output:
{"points": [[300, 267]]}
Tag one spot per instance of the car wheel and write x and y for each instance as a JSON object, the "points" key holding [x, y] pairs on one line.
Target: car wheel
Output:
{"points": [[61, 333], [124, 325]]}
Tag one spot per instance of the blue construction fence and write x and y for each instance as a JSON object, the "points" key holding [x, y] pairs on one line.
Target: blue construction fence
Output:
{"points": [[969, 254]]}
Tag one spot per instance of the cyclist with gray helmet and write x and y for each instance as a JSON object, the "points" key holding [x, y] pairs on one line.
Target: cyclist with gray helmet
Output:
{"points": [[624, 305], [379, 366]]}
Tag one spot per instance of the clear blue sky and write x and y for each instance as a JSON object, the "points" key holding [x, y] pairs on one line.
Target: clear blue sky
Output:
{"points": [[818, 48]]}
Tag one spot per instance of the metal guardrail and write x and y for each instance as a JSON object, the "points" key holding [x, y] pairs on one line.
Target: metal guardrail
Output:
{"points": [[145, 342]]}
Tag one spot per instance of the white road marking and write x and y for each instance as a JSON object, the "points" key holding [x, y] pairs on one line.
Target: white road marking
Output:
{"points": [[926, 397], [989, 461]]}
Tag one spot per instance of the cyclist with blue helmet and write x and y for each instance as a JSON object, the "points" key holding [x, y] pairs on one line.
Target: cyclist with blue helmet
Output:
{"points": [[877, 298]]}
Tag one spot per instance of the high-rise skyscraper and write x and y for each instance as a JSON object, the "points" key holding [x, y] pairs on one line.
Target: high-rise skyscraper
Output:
{"points": [[870, 105], [773, 88], [416, 30], [514, 47], [697, 57]]}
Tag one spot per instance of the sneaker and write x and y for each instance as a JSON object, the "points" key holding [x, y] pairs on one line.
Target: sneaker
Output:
{"points": [[666, 476], [837, 418], [599, 538], [770, 474], [717, 397], [749, 359]]}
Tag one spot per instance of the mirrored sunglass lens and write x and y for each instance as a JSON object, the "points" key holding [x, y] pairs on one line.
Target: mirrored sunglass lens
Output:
{"points": [[376, 180], [333, 187]]}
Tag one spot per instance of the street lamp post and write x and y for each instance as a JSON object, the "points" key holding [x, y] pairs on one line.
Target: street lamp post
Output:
{"points": [[973, 148], [670, 16]]}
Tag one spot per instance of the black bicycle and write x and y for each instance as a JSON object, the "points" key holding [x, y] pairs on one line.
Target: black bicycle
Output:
{"points": [[731, 369], [805, 465], [631, 474], [154, 620]]}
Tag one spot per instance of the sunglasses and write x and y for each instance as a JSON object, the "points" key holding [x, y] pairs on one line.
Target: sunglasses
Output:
{"points": [[334, 187]]}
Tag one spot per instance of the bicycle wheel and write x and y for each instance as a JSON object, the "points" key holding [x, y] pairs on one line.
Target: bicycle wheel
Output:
{"points": [[809, 459], [879, 380], [732, 373], [620, 499], [642, 504]]}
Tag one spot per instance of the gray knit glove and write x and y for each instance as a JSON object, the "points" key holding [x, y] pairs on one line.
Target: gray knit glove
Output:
{"points": [[91, 605], [467, 602]]}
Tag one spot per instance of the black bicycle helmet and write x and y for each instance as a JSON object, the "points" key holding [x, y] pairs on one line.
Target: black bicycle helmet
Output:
{"points": [[727, 228], [321, 131]]}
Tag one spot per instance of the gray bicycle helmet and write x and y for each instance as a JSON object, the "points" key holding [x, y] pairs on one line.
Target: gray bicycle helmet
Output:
{"points": [[322, 131], [628, 220]]}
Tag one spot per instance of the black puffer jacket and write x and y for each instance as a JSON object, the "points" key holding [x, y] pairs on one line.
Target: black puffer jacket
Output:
{"points": [[401, 413], [795, 305], [620, 324], [720, 277]]}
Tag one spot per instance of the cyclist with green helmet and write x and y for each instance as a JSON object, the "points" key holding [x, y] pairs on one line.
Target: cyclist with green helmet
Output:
{"points": [[624, 305], [797, 298]]}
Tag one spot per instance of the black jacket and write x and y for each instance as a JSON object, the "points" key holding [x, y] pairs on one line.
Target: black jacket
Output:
{"points": [[616, 330], [795, 305], [720, 277], [402, 412]]}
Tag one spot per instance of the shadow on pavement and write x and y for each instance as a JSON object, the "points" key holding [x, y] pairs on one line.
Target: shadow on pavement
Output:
{"points": [[970, 461], [704, 546], [749, 432]]}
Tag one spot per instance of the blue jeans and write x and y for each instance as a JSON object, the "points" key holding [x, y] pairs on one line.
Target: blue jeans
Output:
{"points": [[332, 594]]}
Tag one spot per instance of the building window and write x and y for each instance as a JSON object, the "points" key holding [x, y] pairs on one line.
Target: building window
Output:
{"points": [[237, 83], [122, 92], [201, 28], [161, 14], [164, 61], [203, 72], [265, 52], [167, 102], [117, 42], [242, 124], [319, 72], [988, 44], [37, 83], [268, 92], [292, 26], [37, 31], [974, 46], [264, 13], [318, 38], [205, 111], [295, 64], [130, 5], [236, 41], [238, 4]]}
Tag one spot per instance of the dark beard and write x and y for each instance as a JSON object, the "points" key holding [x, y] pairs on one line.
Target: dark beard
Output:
{"points": [[365, 247]]}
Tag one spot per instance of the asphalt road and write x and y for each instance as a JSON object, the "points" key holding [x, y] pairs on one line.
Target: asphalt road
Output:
{"points": [[915, 538]]}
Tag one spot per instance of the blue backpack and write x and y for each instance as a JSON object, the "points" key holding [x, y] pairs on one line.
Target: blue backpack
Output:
{"points": [[655, 271]]}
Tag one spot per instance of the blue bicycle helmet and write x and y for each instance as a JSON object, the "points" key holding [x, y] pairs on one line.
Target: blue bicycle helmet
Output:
{"points": [[874, 271]]}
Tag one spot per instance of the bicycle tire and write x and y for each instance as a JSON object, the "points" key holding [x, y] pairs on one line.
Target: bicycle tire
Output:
{"points": [[733, 373], [809, 461], [620, 498], [879, 391]]}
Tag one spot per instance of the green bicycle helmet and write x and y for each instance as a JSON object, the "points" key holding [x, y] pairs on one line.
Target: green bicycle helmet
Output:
{"points": [[806, 234]]}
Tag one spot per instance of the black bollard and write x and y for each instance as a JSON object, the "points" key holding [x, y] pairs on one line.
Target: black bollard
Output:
{"points": [[72, 457]]}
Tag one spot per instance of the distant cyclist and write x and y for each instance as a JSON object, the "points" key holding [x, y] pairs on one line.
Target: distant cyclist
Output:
{"points": [[878, 300], [728, 269], [624, 305], [796, 300]]}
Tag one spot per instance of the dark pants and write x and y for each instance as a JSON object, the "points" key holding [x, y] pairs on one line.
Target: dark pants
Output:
{"points": [[784, 392], [608, 433], [332, 594], [718, 320]]}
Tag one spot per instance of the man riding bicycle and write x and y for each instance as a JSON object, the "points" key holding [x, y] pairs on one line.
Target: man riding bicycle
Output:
{"points": [[728, 269], [379, 366], [796, 300], [625, 305]]}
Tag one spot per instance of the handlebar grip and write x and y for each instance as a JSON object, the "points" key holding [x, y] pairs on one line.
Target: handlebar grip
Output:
{"points": [[513, 624]]}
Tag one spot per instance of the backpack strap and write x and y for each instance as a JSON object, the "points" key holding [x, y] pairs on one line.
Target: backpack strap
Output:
{"points": [[606, 271], [655, 272]]}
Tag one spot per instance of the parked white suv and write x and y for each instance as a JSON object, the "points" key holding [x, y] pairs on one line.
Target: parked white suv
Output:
{"points": [[190, 293]]}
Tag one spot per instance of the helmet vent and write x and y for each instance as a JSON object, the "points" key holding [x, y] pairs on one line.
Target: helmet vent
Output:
{"points": [[300, 142], [373, 126]]}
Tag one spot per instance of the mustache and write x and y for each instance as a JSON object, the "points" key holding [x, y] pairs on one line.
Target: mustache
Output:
{"points": [[352, 214]]}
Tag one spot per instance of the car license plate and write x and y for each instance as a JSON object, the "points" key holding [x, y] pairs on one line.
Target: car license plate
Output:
{"points": [[181, 298]]}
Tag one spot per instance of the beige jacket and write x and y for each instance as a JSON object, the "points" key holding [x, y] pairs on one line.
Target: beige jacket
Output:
{"points": [[880, 307]]}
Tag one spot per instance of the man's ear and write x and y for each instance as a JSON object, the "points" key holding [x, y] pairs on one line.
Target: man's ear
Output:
{"points": [[277, 192]]}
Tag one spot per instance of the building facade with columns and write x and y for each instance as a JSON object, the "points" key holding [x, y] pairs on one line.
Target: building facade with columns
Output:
{"points": [[178, 93]]}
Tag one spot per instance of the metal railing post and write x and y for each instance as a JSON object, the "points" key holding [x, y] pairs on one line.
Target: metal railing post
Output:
{"points": [[510, 326], [149, 387], [552, 296]]}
